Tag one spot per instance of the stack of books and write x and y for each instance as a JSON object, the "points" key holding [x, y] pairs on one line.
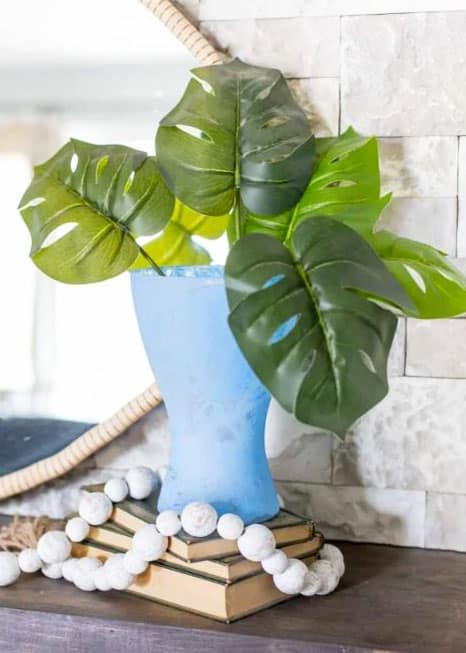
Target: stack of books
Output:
{"points": [[207, 575]]}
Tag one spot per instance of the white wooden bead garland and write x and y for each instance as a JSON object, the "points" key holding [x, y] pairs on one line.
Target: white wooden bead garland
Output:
{"points": [[256, 542]]}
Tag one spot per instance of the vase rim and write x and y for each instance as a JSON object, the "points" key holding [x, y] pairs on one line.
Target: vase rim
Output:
{"points": [[184, 271]]}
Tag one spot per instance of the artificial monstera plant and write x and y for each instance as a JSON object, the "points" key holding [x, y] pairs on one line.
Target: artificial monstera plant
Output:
{"points": [[314, 287]]}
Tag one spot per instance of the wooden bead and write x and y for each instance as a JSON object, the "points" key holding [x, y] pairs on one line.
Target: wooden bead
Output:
{"points": [[275, 563], [116, 489], [101, 581], [53, 570], [199, 519], [256, 543], [335, 556], [117, 575], [168, 523], [29, 561], [68, 569], [328, 576], [77, 529], [292, 580], [95, 508], [53, 547], [83, 576], [9, 568], [149, 544], [134, 564], [311, 583], [141, 482], [230, 526]]}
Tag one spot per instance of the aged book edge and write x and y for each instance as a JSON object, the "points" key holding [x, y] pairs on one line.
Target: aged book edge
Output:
{"points": [[222, 601], [228, 569]]}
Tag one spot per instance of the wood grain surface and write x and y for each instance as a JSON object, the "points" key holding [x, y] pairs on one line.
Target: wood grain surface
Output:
{"points": [[391, 599]]}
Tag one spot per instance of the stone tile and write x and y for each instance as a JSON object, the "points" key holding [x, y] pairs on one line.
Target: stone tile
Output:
{"points": [[320, 100], [300, 47], [446, 522], [56, 499], [419, 167], [307, 459], [396, 360], [430, 220], [436, 348], [218, 9], [296, 451], [145, 443], [404, 75], [415, 439], [362, 514], [282, 429]]}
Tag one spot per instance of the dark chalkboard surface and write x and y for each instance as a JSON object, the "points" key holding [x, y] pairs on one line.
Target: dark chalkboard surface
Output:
{"points": [[24, 441]]}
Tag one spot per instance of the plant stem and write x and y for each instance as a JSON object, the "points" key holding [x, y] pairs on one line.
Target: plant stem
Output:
{"points": [[150, 260]]}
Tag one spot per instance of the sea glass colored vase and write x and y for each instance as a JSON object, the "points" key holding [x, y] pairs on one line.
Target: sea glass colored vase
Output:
{"points": [[216, 405]]}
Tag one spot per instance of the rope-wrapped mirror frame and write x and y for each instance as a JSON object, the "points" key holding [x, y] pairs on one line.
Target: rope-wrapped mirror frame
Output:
{"points": [[102, 434]]}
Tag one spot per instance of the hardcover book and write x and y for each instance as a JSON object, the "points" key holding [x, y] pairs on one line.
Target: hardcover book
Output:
{"points": [[131, 515], [182, 588], [227, 569]]}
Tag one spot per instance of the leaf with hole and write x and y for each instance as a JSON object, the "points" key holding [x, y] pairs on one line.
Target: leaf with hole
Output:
{"points": [[236, 132], [303, 319], [85, 207], [175, 245], [436, 288], [345, 185]]}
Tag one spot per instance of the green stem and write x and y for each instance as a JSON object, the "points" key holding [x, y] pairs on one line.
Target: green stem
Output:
{"points": [[234, 225], [291, 225], [150, 260]]}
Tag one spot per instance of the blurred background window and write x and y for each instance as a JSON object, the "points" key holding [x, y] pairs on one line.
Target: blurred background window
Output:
{"points": [[104, 71]]}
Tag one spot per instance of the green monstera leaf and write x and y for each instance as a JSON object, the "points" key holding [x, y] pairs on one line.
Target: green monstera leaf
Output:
{"points": [[85, 207], [303, 319], [345, 185], [436, 288], [175, 245], [236, 132]]}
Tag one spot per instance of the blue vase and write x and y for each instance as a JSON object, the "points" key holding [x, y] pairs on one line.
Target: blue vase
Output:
{"points": [[216, 405]]}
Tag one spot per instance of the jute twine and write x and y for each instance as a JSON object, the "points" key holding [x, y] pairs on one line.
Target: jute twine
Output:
{"points": [[24, 532]]}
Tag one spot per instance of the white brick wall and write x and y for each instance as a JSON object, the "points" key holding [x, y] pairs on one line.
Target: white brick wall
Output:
{"points": [[396, 69]]}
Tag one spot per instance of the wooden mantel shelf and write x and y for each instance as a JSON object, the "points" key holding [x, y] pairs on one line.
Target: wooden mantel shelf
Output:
{"points": [[391, 600]]}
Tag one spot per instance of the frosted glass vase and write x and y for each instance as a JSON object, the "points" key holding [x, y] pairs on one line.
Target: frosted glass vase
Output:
{"points": [[216, 405]]}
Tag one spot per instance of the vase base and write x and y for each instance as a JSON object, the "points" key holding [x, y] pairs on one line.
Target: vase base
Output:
{"points": [[251, 509]]}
